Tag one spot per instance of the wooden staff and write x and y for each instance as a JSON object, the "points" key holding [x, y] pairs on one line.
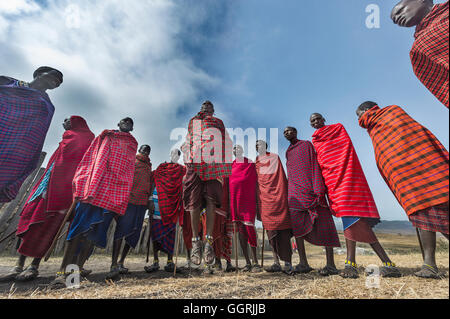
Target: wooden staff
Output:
{"points": [[236, 247], [149, 225], [420, 243], [177, 247], [55, 240], [262, 249]]}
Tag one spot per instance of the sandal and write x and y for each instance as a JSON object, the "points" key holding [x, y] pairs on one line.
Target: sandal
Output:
{"points": [[230, 267], [28, 274], [256, 268], [274, 268], [152, 268], [209, 254], [247, 268], [12, 275], [170, 267], [196, 254], [113, 273], [428, 272], [302, 269], [328, 271], [350, 271], [390, 270], [59, 282], [288, 270], [123, 270]]}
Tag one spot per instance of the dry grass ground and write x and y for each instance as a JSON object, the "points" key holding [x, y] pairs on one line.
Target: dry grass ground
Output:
{"points": [[194, 285]]}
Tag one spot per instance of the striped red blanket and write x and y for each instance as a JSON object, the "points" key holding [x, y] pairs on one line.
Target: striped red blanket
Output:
{"points": [[429, 54], [272, 192], [210, 147], [348, 190], [105, 175], [25, 117], [142, 181], [410, 158], [243, 192], [169, 185]]}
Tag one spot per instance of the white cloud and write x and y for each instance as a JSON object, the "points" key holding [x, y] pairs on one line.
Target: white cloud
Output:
{"points": [[18, 6], [119, 58]]}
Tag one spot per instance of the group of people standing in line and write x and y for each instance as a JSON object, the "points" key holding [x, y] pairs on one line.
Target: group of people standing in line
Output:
{"points": [[90, 180]]}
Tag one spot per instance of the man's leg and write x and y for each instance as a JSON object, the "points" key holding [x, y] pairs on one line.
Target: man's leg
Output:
{"points": [[243, 241], [210, 218], [196, 256], [115, 253], [124, 255], [428, 239], [303, 267], [350, 269]]}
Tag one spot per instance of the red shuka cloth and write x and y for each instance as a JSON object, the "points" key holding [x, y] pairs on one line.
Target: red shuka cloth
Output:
{"points": [[429, 54], [169, 185], [348, 190], [411, 160], [243, 191], [142, 181], [272, 192], [105, 175], [201, 142], [41, 219]]}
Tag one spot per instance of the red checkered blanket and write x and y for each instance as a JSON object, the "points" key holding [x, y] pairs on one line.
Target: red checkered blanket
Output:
{"points": [[105, 175], [210, 154], [169, 186]]}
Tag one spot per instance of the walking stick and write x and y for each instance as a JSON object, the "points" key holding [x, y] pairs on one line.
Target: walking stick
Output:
{"points": [[149, 225], [262, 249], [236, 247], [420, 243], [177, 247], [55, 240]]}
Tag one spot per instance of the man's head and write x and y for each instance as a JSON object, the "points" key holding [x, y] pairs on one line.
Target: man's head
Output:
{"points": [[238, 151], [261, 147], [409, 13], [175, 155], [364, 107], [317, 121], [126, 125], [46, 78], [67, 124], [290, 133], [208, 107], [145, 150]]}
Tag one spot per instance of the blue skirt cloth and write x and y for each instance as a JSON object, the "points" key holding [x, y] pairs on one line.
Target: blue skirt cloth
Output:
{"points": [[129, 226], [92, 222]]}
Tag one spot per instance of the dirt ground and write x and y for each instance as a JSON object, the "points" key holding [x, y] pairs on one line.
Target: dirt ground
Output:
{"points": [[196, 284]]}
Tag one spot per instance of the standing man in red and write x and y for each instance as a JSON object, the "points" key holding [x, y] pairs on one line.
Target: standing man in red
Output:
{"points": [[272, 195], [429, 54], [50, 198], [243, 182], [310, 215], [348, 193], [415, 166], [102, 186], [209, 161], [169, 190], [129, 226]]}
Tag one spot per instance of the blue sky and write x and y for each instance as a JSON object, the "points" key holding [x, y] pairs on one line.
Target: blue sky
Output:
{"points": [[264, 63]]}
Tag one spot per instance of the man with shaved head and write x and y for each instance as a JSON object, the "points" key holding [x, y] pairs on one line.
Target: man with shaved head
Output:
{"points": [[208, 162], [415, 166], [272, 196], [311, 217], [25, 116], [349, 193], [429, 54]]}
